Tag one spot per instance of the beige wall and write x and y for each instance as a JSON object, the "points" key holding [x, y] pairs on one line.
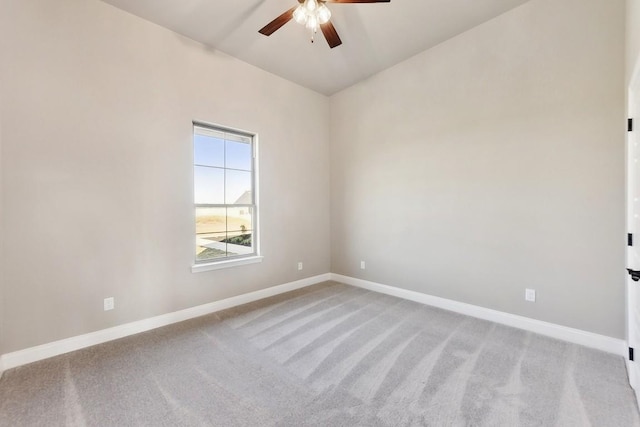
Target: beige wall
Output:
{"points": [[633, 37], [97, 108], [492, 163]]}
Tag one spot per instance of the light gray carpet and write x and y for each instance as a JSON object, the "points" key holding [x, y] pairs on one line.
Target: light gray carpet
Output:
{"points": [[328, 355]]}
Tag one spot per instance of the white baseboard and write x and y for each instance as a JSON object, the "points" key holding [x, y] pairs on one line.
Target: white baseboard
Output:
{"points": [[576, 336], [33, 354]]}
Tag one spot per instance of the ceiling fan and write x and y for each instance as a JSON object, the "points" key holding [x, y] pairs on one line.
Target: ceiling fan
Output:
{"points": [[313, 14]]}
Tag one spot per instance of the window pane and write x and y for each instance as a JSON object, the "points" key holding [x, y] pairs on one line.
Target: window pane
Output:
{"points": [[239, 231], [208, 151], [211, 246], [211, 231], [208, 185], [239, 155], [238, 187], [211, 220]]}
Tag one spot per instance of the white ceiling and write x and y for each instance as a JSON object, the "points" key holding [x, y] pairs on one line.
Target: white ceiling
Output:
{"points": [[374, 36]]}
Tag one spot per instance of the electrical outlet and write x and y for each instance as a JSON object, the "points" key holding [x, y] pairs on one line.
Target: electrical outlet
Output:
{"points": [[530, 295], [362, 265], [300, 266], [109, 304]]}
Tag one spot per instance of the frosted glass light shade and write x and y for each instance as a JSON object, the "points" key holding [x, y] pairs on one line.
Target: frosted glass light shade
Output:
{"points": [[323, 14], [312, 22], [311, 5], [300, 15]]}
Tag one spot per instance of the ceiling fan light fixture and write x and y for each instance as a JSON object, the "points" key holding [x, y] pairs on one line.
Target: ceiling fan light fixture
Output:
{"points": [[312, 14]]}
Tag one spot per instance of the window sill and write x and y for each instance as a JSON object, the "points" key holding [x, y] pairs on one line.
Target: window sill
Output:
{"points": [[198, 268]]}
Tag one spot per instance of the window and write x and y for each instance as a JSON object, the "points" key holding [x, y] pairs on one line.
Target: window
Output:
{"points": [[224, 165]]}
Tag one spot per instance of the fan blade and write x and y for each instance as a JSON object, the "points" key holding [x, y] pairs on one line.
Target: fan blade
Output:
{"points": [[357, 1], [331, 34], [274, 25]]}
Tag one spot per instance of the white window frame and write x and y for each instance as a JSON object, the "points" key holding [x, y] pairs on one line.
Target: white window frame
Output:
{"points": [[226, 262]]}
